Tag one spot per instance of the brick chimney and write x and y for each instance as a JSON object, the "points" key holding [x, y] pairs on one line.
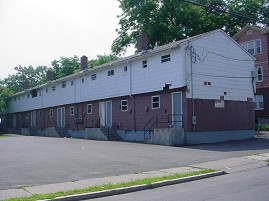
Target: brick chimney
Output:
{"points": [[142, 42], [49, 75], [83, 63], [26, 84]]}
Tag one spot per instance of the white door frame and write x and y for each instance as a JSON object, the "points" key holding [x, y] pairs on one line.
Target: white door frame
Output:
{"points": [[175, 115]]}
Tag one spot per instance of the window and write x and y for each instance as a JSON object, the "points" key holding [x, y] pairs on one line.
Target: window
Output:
{"points": [[93, 77], [47, 90], [165, 58], [53, 88], [124, 105], [155, 102], [253, 47], [258, 102], [15, 99], [72, 83], [249, 32], [259, 74], [63, 84], [51, 112], [110, 72], [144, 64], [125, 68], [40, 114], [72, 110], [82, 80], [89, 109]]}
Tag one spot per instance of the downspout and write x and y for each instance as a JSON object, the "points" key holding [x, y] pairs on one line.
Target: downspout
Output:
{"points": [[131, 95], [192, 99]]}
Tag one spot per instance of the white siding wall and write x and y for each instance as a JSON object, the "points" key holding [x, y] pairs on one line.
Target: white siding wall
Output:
{"points": [[136, 80], [156, 74], [232, 76]]}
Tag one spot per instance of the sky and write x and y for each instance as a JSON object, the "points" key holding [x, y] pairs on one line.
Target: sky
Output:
{"points": [[36, 32]]}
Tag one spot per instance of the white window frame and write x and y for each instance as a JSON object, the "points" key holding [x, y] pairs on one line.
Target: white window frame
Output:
{"points": [[51, 112], [89, 106], [110, 72], [124, 105], [72, 110], [259, 74], [165, 58], [144, 63], [154, 102], [40, 114], [93, 77], [63, 84], [255, 46], [259, 102]]}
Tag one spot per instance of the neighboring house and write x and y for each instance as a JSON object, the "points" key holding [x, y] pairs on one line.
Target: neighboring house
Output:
{"points": [[256, 41], [196, 90]]}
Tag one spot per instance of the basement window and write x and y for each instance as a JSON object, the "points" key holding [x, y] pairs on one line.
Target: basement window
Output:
{"points": [[110, 72], [165, 58]]}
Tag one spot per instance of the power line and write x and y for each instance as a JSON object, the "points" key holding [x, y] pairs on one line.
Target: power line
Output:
{"points": [[214, 8]]}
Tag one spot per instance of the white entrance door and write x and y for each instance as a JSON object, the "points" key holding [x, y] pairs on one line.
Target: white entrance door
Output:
{"points": [[61, 117], [177, 109], [33, 119], [105, 113]]}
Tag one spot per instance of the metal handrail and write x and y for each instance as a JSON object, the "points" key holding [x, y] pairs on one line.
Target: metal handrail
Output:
{"points": [[157, 122]]}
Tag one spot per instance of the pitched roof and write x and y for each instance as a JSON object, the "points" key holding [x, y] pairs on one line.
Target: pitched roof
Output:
{"points": [[264, 30], [124, 60]]}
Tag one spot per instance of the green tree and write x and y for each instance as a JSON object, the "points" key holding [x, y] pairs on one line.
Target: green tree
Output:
{"points": [[101, 59], [30, 75], [64, 66], [5, 93], [165, 21]]}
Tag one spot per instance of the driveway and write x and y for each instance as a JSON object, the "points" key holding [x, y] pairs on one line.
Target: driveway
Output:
{"points": [[28, 160]]}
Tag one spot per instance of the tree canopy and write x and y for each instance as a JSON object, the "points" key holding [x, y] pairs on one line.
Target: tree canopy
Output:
{"points": [[32, 76], [165, 21]]}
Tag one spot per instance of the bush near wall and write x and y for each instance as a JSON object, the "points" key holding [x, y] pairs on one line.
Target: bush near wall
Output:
{"points": [[262, 127]]}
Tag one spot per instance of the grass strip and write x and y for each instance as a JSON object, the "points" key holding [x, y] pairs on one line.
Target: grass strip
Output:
{"points": [[110, 186], [4, 136]]}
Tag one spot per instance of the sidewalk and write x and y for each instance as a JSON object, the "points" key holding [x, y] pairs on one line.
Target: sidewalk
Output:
{"points": [[230, 165]]}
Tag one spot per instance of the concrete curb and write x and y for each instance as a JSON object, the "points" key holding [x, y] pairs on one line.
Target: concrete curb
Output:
{"points": [[136, 188]]}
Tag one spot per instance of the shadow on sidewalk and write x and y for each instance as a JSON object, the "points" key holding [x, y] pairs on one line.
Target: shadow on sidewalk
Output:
{"points": [[260, 142]]}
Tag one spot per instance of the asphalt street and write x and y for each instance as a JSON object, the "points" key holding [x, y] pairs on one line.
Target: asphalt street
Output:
{"points": [[241, 186], [28, 160]]}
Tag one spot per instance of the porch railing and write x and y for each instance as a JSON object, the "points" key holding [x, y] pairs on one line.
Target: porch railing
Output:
{"points": [[163, 121]]}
